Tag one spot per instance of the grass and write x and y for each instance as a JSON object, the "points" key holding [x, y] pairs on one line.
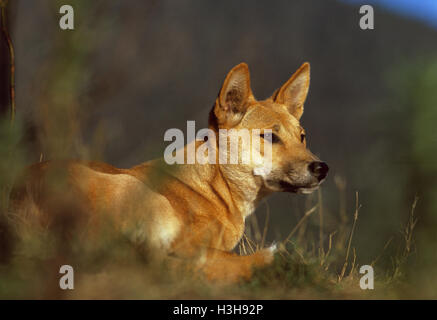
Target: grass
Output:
{"points": [[111, 267], [321, 264]]}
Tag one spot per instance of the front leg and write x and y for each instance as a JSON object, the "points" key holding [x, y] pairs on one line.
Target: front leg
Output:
{"points": [[227, 267]]}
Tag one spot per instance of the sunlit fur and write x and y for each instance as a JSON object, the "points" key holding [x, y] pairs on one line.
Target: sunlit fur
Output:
{"points": [[189, 211]]}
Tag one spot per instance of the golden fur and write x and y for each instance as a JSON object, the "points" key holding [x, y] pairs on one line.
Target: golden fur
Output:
{"points": [[194, 211]]}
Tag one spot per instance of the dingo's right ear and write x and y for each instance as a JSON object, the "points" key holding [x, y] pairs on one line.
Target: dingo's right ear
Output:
{"points": [[232, 101]]}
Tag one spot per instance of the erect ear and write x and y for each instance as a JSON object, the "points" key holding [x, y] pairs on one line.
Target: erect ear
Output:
{"points": [[231, 104], [294, 92]]}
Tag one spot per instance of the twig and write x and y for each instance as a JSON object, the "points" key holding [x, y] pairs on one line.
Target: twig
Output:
{"points": [[299, 223], [325, 257], [342, 230], [383, 250], [248, 241], [409, 228], [255, 228], [321, 248], [266, 224], [3, 5], [242, 247], [357, 208], [353, 262]]}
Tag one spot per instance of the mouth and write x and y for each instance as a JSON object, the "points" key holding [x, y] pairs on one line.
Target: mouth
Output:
{"points": [[307, 190], [300, 189]]}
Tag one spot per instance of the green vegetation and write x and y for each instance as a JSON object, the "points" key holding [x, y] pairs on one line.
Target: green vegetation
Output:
{"points": [[70, 77], [107, 265], [322, 264]]}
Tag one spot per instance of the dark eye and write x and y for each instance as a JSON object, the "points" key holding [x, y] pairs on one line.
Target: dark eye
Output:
{"points": [[271, 137], [302, 137]]}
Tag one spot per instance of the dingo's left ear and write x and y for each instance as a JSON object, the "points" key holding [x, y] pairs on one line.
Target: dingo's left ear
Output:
{"points": [[294, 92], [232, 101]]}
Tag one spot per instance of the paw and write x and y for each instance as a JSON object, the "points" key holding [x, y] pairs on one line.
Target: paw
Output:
{"points": [[269, 253], [273, 248]]}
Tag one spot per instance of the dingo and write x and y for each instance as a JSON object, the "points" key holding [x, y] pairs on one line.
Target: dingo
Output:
{"points": [[195, 211]]}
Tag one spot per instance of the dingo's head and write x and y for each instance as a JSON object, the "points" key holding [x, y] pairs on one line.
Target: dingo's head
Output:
{"points": [[294, 168]]}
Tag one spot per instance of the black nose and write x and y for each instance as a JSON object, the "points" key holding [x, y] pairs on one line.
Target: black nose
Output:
{"points": [[318, 169]]}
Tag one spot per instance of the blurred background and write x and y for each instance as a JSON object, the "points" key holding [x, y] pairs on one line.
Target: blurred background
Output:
{"points": [[131, 70]]}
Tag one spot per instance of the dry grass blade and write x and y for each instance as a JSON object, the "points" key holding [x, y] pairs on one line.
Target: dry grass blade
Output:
{"points": [[409, 228], [357, 208], [252, 246], [266, 224], [325, 257], [383, 250], [343, 225], [255, 228], [321, 248], [353, 262], [305, 216], [242, 247]]}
